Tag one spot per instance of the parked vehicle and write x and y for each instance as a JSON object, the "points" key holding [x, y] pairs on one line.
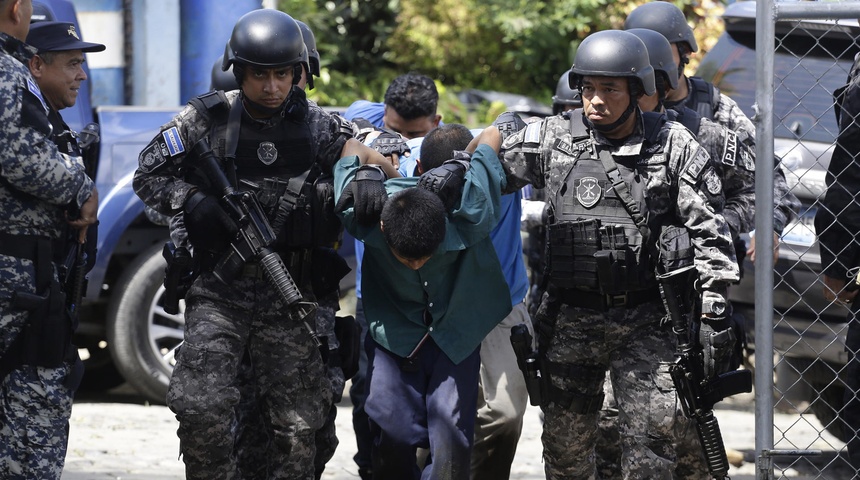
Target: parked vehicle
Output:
{"points": [[812, 59]]}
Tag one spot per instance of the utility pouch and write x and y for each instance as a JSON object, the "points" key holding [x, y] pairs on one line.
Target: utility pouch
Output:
{"points": [[49, 332], [328, 268], [572, 246]]}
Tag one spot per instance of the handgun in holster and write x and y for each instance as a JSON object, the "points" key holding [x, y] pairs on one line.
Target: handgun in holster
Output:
{"points": [[178, 275], [528, 361]]}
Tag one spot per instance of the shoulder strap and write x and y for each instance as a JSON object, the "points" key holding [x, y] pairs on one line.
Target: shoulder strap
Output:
{"points": [[211, 104], [623, 191]]}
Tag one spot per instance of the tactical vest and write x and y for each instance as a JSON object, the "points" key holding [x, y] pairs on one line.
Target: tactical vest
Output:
{"points": [[703, 97], [278, 162], [596, 242]]}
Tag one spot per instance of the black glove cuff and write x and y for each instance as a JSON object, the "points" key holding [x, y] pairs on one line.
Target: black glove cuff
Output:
{"points": [[192, 201], [370, 172]]}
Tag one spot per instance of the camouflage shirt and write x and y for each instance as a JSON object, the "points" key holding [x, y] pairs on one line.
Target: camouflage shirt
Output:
{"points": [[543, 153], [158, 180], [728, 114], [735, 163], [39, 184]]}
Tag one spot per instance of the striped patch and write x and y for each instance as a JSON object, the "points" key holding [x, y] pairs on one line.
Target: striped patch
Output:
{"points": [[533, 133], [34, 89], [173, 141]]}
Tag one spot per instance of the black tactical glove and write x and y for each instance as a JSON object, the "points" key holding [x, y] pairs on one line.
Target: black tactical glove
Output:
{"points": [[717, 339], [446, 180], [367, 192], [363, 128], [209, 226], [388, 143], [508, 124]]}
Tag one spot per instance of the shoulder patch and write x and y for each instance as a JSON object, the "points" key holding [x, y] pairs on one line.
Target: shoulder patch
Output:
{"points": [[173, 141], [35, 90], [696, 165], [153, 156], [532, 134], [713, 182], [730, 149], [34, 112], [563, 145]]}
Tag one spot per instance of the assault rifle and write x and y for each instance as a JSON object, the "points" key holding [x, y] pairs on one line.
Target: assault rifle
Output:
{"points": [[254, 239], [698, 393]]}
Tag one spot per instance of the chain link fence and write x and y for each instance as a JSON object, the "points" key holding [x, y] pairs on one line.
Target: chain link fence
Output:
{"points": [[807, 49]]}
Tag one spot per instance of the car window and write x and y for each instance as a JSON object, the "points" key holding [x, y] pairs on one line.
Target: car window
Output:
{"points": [[806, 69]]}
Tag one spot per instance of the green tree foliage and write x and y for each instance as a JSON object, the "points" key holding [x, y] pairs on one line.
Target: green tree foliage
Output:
{"points": [[517, 46]]}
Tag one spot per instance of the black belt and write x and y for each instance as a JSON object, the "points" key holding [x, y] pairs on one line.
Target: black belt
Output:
{"points": [[601, 301]]}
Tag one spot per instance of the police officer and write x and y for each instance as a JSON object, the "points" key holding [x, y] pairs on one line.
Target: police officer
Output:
{"points": [[615, 177], [40, 191], [707, 100], [732, 194], [268, 138], [836, 224], [251, 437], [58, 70]]}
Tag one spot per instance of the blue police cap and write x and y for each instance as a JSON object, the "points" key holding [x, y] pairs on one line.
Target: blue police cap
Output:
{"points": [[59, 37]]}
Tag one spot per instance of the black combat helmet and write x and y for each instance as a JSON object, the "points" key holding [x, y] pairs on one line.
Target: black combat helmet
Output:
{"points": [[221, 80], [665, 18], [564, 95], [265, 38], [613, 53], [311, 44], [659, 53]]}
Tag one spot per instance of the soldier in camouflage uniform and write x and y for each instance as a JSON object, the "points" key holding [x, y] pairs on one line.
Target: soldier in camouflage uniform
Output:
{"points": [[272, 135], [251, 437], [602, 309], [708, 102], [734, 163], [40, 190]]}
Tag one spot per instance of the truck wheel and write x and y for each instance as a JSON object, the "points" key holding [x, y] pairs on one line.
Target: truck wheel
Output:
{"points": [[142, 337], [99, 372], [829, 401]]}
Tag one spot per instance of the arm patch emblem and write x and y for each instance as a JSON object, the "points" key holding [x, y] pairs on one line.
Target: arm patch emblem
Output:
{"points": [[173, 141]]}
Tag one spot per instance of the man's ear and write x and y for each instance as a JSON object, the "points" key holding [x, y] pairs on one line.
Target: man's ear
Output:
{"points": [[418, 166], [36, 64], [436, 119], [381, 225]]}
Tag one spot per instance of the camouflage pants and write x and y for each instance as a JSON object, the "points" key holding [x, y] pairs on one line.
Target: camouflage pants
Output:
{"points": [[34, 423], [293, 393], [688, 449], [252, 440], [633, 348], [35, 405]]}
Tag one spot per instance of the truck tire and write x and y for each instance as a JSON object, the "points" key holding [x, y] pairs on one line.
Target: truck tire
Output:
{"points": [[825, 405], [142, 337]]}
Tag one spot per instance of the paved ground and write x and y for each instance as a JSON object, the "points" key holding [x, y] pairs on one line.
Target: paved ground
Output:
{"points": [[117, 436]]}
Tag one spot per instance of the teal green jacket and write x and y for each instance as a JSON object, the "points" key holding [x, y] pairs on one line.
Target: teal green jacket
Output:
{"points": [[461, 286]]}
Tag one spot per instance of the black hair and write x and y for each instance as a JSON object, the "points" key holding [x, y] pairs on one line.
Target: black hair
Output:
{"points": [[412, 96], [413, 222], [440, 143]]}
